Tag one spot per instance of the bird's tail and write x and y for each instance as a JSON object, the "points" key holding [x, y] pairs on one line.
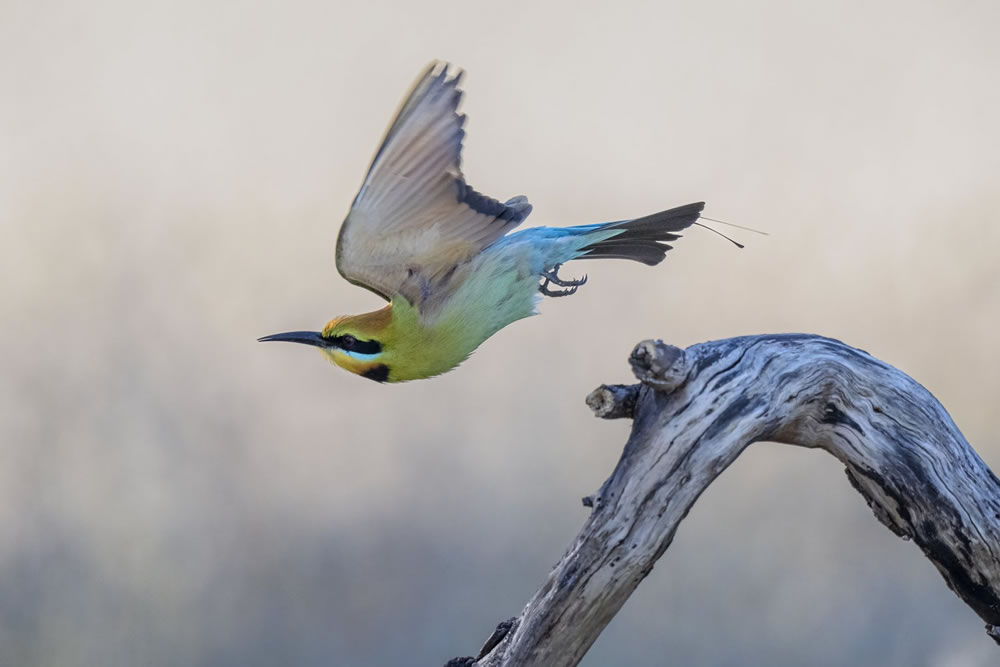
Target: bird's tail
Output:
{"points": [[644, 239]]}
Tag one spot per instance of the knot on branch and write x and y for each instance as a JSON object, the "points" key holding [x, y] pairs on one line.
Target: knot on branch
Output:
{"points": [[503, 629], [613, 401], [660, 366]]}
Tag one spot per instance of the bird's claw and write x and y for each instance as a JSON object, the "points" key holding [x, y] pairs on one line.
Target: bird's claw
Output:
{"points": [[544, 289], [552, 277]]}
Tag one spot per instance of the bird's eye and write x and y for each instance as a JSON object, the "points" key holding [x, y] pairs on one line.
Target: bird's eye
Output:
{"points": [[347, 342]]}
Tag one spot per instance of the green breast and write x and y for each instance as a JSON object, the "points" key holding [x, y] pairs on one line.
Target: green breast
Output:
{"points": [[424, 346]]}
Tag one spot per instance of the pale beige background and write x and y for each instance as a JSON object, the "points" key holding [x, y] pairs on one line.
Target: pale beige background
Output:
{"points": [[172, 178]]}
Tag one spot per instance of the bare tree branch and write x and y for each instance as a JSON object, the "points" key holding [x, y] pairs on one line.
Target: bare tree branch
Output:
{"points": [[697, 410]]}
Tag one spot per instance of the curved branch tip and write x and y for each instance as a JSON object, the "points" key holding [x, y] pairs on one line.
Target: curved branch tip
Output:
{"points": [[661, 366]]}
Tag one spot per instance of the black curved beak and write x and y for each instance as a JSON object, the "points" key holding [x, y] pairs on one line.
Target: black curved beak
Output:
{"points": [[304, 337]]}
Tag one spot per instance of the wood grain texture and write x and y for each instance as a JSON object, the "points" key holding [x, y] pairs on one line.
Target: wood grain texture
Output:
{"points": [[696, 410]]}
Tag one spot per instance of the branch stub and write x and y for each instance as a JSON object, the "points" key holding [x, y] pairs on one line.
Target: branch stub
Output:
{"points": [[660, 366], [613, 401]]}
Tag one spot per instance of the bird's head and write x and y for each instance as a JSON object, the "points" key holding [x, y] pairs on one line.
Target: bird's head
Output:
{"points": [[357, 343]]}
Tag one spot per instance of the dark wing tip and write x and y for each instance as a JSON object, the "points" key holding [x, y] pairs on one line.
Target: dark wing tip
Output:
{"points": [[513, 211], [441, 75], [516, 209]]}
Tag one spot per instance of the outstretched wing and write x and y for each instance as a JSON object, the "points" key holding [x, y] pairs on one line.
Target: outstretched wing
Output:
{"points": [[415, 218]]}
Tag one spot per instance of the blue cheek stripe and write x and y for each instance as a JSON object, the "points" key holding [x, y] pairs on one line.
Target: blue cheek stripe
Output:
{"points": [[360, 356]]}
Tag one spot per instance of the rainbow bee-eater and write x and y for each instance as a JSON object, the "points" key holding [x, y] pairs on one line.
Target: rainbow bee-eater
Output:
{"points": [[439, 252]]}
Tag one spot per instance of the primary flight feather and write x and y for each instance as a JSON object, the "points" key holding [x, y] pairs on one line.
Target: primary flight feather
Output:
{"points": [[439, 251]]}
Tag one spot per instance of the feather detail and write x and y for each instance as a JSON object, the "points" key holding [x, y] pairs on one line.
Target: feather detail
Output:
{"points": [[643, 239], [415, 218]]}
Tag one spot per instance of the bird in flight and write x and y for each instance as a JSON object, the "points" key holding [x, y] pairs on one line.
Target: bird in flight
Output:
{"points": [[439, 251]]}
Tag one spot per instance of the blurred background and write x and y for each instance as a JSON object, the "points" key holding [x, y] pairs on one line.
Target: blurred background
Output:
{"points": [[172, 179]]}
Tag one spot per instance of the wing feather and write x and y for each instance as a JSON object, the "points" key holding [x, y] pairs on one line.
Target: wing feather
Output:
{"points": [[415, 217]]}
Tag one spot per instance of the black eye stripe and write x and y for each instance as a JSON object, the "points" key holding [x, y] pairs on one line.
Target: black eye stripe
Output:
{"points": [[354, 345]]}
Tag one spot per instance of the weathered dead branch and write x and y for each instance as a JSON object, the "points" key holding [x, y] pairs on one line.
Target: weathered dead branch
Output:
{"points": [[696, 410]]}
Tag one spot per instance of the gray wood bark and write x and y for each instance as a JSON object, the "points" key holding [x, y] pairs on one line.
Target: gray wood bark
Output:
{"points": [[696, 410]]}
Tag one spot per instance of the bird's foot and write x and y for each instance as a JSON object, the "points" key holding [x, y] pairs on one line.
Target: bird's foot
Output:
{"points": [[553, 277], [544, 289]]}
